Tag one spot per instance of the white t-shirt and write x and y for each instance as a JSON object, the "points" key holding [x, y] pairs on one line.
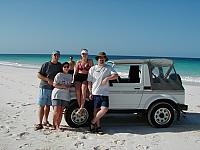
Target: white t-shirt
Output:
{"points": [[62, 94], [96, 75]]}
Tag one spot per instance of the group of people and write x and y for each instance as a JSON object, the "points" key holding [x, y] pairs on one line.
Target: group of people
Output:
{"points": [[56, 79]]}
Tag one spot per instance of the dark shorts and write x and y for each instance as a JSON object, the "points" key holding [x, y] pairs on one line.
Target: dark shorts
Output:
{"points": [[100, 101], [58, 102], [80, 77]]}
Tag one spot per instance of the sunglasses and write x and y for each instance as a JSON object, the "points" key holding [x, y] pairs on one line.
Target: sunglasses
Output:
{"points": [[84, 53], [65, 66]]}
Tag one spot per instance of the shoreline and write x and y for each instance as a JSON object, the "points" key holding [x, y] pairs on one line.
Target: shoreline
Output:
{"points": [[18, 114], [193, 81]]}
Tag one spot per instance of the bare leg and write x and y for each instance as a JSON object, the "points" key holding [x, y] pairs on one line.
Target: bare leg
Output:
{"points": [[78, 92], [55, 116], [41, 114], [60, 115], [99, 115], [94, 114], [83, 94], [98, 123], [46, 113]]}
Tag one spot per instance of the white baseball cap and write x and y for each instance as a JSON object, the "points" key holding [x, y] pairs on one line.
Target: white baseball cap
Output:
{"points": [[84, 51]]}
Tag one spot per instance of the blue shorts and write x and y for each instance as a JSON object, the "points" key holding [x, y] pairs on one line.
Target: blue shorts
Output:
{"points": [[59, 102], [44, 97], [100, 101]]}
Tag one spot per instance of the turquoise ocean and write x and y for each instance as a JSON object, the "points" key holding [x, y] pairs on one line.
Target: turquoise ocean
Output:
{"points": [[188, 68]]}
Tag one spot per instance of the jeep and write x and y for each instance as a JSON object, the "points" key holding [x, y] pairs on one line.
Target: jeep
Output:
{"points": [[146, 86]]}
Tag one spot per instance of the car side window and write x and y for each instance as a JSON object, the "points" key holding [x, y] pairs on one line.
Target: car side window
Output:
{"points": [[156, 74], [132, 75]]}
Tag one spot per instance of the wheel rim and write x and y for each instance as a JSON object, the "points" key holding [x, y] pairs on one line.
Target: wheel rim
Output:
{"points": [[78, 118], [162, 116]]}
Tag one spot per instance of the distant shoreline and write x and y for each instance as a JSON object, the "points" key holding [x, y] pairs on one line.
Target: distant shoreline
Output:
{"points": [[192, 81], [111, 55]]}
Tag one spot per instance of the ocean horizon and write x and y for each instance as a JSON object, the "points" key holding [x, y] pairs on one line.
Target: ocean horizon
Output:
{"points": [[188, 68]]}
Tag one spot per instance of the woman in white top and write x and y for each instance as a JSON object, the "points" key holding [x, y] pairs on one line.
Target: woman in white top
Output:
{"points": [[60, 94]]}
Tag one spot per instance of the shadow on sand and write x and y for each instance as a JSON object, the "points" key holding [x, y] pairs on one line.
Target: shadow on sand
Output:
{"points": [[136, 125], [132, 124]]}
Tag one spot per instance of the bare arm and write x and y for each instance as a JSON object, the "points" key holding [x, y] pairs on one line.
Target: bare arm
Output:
{"points": [[50, 82], [112, 77], [60, 86], [90, 90], [75, 71], [90, 87], [92, 63]]}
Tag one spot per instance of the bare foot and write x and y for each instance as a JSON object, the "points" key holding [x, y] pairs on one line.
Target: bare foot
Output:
{"points": [[80, 111]]}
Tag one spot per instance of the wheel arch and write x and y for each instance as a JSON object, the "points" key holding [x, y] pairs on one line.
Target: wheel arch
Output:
{"points": [[148, 100], [72, 101], [169, 101]]}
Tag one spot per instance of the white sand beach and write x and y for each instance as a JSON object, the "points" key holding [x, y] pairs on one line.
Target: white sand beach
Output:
{"points": [[18, 114]]}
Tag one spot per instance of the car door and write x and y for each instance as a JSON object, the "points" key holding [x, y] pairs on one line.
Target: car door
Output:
{"points": [[126, 94]]}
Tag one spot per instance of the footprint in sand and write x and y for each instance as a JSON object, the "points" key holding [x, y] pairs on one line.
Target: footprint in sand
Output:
{"points": [[11, 104], [119, 142], [9, 122], [17, 115], [47, 132], [142, 147], [155, 139], [6, 130], [2, 127], [82, 137], [26, 104], [78, 144], [8, 103], [26, 144], [22, 135], [100, 147]]}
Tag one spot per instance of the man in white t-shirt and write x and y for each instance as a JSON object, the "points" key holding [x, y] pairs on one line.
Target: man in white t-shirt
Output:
{"points": [[98, 85]]}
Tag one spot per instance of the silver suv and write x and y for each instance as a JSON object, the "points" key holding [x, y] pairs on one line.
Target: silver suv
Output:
{"points": [[146, 86]]}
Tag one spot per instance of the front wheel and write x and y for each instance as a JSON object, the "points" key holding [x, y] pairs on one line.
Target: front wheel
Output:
{"points": [[75, 119], [161, 115]]}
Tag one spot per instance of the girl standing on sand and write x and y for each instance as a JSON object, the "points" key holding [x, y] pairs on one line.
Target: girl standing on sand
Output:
{"points": [[80, 78], [60, 94]]}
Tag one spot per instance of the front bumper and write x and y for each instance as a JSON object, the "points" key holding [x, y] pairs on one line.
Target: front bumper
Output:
{"points": [[182, 107]]}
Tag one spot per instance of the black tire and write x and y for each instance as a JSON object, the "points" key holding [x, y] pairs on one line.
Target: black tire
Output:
{"points": [[161, 115], [75, 120]]}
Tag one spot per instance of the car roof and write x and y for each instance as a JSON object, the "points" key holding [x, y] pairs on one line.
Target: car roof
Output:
{"points": [[162, 62]]}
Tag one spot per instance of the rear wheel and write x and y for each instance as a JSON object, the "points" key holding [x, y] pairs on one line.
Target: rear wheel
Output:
{"points": [[161, 115], [75, 119]]}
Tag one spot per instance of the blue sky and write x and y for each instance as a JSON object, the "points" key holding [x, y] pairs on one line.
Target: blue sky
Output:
{"points": [[119, 27]]}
